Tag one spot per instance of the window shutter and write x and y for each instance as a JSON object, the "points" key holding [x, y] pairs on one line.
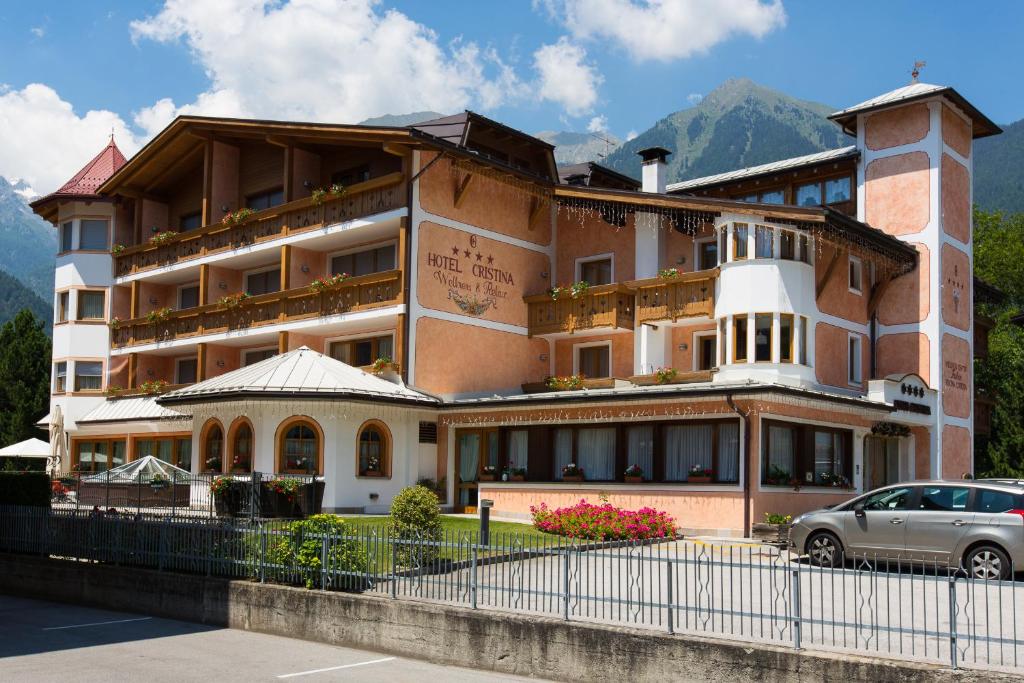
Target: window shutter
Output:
{"points": [[428, 432]]}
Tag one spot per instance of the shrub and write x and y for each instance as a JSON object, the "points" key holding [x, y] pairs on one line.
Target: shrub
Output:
{"points": [[603, 522], [415, 515], [25, 488], [301, 549]]}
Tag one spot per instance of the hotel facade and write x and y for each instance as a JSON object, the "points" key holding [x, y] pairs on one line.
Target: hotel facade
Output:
{"points": [[379, 305]]}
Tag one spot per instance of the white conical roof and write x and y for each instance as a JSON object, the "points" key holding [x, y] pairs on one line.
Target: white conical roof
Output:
{"points": [[299, 373], [29, 448], [144, 469]]}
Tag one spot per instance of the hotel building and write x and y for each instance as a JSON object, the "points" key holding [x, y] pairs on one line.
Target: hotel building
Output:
{"points": [[379, 305]]}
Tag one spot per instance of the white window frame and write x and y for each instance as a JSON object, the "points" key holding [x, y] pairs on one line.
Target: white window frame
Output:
{"points": [[578, 273], [855, 261], [246, 352], [187, 285], [177, 367], [365, 246], [855, 337], [256, 271], [588, 345], [695, 347], [56, 373], [696, 250]]}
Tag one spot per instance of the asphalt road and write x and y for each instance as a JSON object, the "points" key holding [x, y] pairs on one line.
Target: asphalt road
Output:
{"points": [[47, 641]]}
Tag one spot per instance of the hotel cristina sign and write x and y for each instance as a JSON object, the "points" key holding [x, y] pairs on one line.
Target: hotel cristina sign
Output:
{"points": [[475, 281]]}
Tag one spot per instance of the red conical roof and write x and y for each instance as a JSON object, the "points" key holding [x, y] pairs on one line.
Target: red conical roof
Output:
{"points": [[96, 172]]}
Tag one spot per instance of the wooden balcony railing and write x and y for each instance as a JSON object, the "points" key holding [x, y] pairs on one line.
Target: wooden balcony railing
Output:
{"points": [[600, 306], [355, 294], [688, 295], [376, 195]]}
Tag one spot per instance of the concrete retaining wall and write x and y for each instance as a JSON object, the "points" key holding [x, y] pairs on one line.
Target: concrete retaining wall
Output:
{"points": [[507, 643]]}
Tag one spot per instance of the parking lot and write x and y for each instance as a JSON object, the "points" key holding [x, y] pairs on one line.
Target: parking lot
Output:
{"points": [[46, 641]]}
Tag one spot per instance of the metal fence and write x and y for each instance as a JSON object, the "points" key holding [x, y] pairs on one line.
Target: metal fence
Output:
{"points": [[249, 495], [744, 592]]}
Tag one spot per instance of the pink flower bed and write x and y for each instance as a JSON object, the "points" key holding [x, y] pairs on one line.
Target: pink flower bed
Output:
{"points": [[602, 522]]}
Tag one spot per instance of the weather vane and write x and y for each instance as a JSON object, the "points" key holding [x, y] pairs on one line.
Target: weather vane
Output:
{"points": [[917, 71]]}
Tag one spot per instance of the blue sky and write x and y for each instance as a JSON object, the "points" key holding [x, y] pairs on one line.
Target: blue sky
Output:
{"points": [[606, 66]]}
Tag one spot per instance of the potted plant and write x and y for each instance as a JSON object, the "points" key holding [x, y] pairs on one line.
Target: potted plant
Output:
{"points": [[322, 284], [225, 496], [699, 475], [236, 217], [665, 375], [564, 383], [153, 386], [775, 528], [634, 474], [159, 481], [158, 316], [518, 474], [668, 273], [488, 473], [373, 467], [836, 481], [162, 238], [777, 476], [573, 291], [572, 472], [117, 249], [282, 496], [381, 365]]}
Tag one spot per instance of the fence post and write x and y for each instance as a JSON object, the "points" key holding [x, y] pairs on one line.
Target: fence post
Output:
{"points": [[473, 576], [263, 553], [323, 562], [160, 546], [565, 593], [952, 619], [795, 600], [394, 565], [671, 598]]}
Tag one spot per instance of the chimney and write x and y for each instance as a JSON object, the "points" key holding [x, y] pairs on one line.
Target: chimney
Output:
{"points": [[655, 170]]}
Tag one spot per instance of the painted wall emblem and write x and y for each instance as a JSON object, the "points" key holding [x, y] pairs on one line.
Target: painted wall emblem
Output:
{"points": [[475, 281]]}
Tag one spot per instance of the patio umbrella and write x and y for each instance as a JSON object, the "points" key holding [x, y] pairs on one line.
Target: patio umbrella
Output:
{"points": [[57, 449]]}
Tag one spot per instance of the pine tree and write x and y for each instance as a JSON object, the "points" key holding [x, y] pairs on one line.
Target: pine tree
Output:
{"points": [[24, 377]]}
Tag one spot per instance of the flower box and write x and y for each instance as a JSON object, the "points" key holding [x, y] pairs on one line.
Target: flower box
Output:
{"points": [[487, 477], [634, 480], [770, 533], [698, 479], [572, 477], [517, 477], [372, 473]]}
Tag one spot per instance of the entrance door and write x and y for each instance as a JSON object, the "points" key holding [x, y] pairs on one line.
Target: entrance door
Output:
{"points": [[881, 462], [474, 448]]}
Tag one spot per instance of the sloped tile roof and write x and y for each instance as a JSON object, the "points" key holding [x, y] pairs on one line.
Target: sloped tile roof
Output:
{"points": [[96, 172]]}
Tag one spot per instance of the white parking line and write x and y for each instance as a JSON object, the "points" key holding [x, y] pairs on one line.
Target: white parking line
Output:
{"points": [[95, 623], [335, 668]]}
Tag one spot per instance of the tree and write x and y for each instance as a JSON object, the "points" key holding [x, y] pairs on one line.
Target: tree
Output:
{"points": [[24, 377]]}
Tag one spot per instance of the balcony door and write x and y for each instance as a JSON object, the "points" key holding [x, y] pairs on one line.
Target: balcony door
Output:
{"points": [[474, 448], [595, 271]]}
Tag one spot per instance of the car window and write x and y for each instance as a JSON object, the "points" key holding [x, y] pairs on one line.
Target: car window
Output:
{"points": [[943, 498], [987, 500], [889, 499]]}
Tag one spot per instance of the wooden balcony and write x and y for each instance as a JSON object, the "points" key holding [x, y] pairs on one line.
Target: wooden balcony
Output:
{"points": [[602, 306], [355, 294], [688, 295], [373, 196]]}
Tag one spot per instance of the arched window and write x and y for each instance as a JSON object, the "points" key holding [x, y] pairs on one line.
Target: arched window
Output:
{"points": [[373, 446], [241, 447], [213, 448], [299, 447]]}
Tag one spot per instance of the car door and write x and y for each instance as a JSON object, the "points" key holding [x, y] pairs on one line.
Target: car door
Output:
{"points": [[879, 529], [938, 521]]}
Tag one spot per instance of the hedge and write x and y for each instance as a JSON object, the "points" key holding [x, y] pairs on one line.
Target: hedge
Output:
{"points": [[25, 488]]}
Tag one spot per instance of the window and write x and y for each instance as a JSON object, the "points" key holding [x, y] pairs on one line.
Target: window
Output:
{"points": [[723, 326], [93, 235], [186, 371], [808, 195], [687, 447], [772, 197], [889, 499], [739, 339], [299, 448], [265, 200], [820, 456], [190, 221], [263, 282], [786, 338], [751, 198], [763, 337], [723, 242], [707, 255], [66, 235], [763, 242], [91, 305], [787, 246], [374, 450], [213, 448], [856, 275], [360, 353], [739, 241], [257, 355], [805, 249], [88, 375], [365, 262], [830, 454], [803, 340], [594, 361], [705, 351], [780, 453], [853, 360], [595, 452], [93, 456], [241, 448], [943, 498], [351, 176], [640, 449], [188, 297], [595, 271], [837, 190], [60, 382], [63, 299], [987, 500], [175, 451]]}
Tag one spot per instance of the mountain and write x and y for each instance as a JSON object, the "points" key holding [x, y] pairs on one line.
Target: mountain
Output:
{"points": [[998, 171], [738, 124], [28, 244], [15, 296], [575, 148], [401, 119]]}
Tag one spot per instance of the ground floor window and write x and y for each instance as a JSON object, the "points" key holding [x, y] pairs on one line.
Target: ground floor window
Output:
{"points": [[299, 444], [175, 451], [98, 455], [374, 447], [805, 455]]}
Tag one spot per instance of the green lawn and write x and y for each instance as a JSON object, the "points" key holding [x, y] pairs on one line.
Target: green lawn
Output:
{"points": [[453, 525]]}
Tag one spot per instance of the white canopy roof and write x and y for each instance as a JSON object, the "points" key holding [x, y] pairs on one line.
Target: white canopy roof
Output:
{"points": [[29, 448], [144, 469]]}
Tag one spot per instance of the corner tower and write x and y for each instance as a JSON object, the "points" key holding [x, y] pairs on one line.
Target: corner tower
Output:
{"points": [[914, 181]]}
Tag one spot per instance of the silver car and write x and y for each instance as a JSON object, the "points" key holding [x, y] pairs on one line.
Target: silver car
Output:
{"points": [[977, 525]]}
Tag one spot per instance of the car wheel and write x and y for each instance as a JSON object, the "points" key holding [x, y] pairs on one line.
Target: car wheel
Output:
{"points": [[825, 550], [988, 563]]}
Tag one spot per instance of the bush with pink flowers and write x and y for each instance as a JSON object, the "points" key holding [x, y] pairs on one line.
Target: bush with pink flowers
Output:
{"points": [[602, 522]]}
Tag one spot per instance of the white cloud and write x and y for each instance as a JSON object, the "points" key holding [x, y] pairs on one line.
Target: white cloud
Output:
{"points": [[598, 124], [664, 30], [565, 78], [695, 98], [336, 60], [38, 31], [45, 142], [631, 135]]}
